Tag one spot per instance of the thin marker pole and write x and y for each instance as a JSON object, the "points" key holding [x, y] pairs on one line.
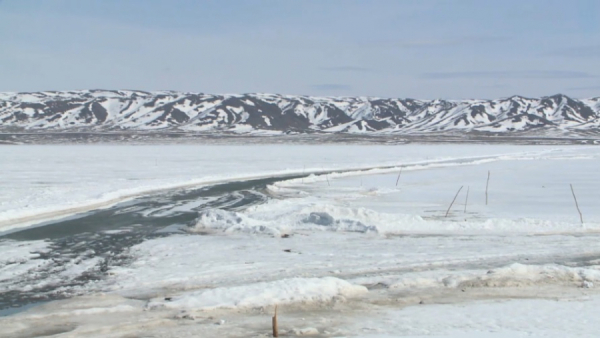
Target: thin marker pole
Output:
{"points": [[398, 179], [577, 204], [326, 176], [455, 196], [486, 188], [467, 199]]}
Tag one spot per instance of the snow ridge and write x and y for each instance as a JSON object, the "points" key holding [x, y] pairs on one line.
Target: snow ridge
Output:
{"points": [[130, 110]]}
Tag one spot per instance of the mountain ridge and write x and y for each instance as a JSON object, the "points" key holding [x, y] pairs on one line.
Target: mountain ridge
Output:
{"points": [[262, 113]]}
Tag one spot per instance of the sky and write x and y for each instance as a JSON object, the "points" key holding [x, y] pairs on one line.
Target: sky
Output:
{"points": [[424, 49]]}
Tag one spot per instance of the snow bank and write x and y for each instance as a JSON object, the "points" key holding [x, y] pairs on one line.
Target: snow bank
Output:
{"points": [[316, 219], [308, 215], [421, 280], [514, 275], [286, 291], [229, 222], [525, 275]]}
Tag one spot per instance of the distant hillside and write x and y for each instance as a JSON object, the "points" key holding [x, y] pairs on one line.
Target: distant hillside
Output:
{"points": [[123, 110]]}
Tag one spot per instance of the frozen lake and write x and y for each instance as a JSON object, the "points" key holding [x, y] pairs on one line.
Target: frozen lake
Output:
{"points": [[346, 240]]}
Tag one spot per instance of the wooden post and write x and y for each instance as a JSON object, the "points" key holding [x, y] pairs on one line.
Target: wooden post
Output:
{"points": [[398, 179], [455, 196], [467, 199], [274, 322], [577, 204], [486, 188]]}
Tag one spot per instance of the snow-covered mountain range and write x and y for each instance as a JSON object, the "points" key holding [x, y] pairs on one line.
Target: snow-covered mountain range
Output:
{"points": [[126, 110]]}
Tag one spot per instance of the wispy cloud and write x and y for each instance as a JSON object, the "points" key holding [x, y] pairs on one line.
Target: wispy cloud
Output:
{"points": [[592, 51], [497, 85], [437, 42], [585, 88], [350, 69], [467, 40], [331, 87], [526, 74]]}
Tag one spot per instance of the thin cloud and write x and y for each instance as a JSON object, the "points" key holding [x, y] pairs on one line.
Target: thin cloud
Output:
{"points": [[447, 42], [497, 85], [578, 52], [349, 69], [528, 74], [331, 87], [453, 42], [585, 88]]}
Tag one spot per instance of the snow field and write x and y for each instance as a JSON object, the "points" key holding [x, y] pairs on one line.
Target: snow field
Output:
{"points": [[488, 319]]}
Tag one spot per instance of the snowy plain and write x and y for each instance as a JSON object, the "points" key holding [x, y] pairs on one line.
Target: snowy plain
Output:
{"points": [[366, 253]]}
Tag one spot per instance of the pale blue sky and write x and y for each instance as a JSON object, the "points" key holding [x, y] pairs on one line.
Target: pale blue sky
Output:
{"points": [[397, 48]]}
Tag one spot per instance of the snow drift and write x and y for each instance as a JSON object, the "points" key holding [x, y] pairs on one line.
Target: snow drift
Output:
{"points": [[280, 292]]}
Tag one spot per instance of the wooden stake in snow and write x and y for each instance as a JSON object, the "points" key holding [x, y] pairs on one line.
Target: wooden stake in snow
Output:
{"points": [[326, 176], [577, 204], [486, 188], [274, 322], [455, 196], [398, 179], [467, 199]]}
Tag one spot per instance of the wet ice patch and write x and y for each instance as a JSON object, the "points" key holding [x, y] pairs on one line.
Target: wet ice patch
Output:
{"points": [[286, 291], [80, 266], [14, 251], [19, 258]]}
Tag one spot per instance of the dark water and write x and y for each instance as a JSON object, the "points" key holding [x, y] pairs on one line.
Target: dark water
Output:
{"points": [[109, 233]]}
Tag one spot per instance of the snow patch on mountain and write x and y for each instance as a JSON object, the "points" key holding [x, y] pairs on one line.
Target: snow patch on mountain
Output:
{"points": [[130, 110]]}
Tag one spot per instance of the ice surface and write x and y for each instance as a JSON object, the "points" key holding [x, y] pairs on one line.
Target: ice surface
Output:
{"points": [[52, 181], [320, 242], [529, 196]]}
